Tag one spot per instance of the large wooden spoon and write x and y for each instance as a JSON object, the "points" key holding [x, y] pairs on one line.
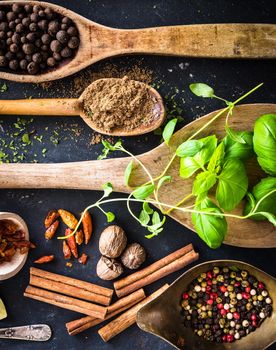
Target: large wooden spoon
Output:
{"points": [[91, 175], [98, 42], [74, 106]]}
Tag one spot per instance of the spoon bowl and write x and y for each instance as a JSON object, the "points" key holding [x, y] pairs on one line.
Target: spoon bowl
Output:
{"points": [[74, 107], [162, 317], [98, 42]]}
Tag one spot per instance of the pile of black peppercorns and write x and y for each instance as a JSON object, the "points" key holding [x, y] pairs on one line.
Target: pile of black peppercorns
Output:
{"points": [[225, 304], [34, 39]]}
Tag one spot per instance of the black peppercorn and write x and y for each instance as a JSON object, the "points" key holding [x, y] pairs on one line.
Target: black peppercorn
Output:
{"points": [[46, 39], [38, 43], [9, 34], [34, 17], [73, 43], [57, 56], [11, 16], [14, 48], [21, 15], [28, 58], [31, 37], [4, 26], [51, 62], [2, 44], [37, 57], [17, 8], [12, 25], [43, 24], [36, 8], [44, 55], [72, 31], [23, 64], [42, 66], [64, 26], [41, 14], [44, 48], [2, 15], [33, 27], [23, 40], [18, 20], [13, 64], [20, 55], [26, 21], [28, 8], [33, 68], [66, 20], [16, 38], [9, 41], [49, 13], [62, 36], [3, 61], [10, 56], [28, 49], [66, 52], [19, 28], [2, 35], [53, 27], [55, 46]]}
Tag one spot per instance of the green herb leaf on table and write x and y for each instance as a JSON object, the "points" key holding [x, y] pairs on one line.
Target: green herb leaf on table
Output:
{"points": [[163, 179], [202, 90], [235, 136], [216, 160], [147, 208], [189, 148], [235, 149], [109, 147], [143, 192], [108, 188], [26, 139], [270, 217], [204, 182], [232, 184], [188, 166], [4, 88], [210, 228], [169, 130], [110, 216], [128, 171], [144, 218]]}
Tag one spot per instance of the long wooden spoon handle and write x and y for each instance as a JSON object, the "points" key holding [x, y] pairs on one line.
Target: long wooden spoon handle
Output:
{"points": [[205, 40], [63, 106], [87, 175]]}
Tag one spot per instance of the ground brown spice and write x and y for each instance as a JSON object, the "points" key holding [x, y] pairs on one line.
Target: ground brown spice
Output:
{"points": [[119, 103]]}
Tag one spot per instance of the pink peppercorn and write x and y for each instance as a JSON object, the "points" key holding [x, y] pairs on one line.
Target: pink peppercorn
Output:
{"points": [[223, 289], [229, 338], [260, 285], [209, 274], [253, 317], [247, 289], [245, 295], [254, 323], [224, 338], [210, 302], [220, 306], [185, 296], [236, 315], [210, 283], [223, 312], [208, 289], [237, 284], [213, 296]]}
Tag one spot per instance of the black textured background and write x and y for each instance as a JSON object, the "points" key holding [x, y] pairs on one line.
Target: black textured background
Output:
{"points": [[230, 79]]}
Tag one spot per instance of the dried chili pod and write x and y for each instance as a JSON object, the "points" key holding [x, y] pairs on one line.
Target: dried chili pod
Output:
{"points": [[68, 218], [50, 232], [79, 237], [83, 259], [71, 241], [45, 259], [66, 251], [87, 226], [51, 218]]}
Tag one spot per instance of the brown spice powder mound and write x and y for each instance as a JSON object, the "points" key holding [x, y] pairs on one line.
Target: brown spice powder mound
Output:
{"points": [[119, 103]]}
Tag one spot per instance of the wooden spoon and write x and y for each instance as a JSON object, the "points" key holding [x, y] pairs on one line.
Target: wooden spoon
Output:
{"points": [[98, 42], [91, 175], [73, 107], [162, 316]]}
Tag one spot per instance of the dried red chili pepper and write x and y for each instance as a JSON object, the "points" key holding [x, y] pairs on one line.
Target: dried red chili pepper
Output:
{"points": [[68, 218], [72, 242], [45, 259], [87, 226], [51, 218], [66, 250], [79, 237], [83, 259], [51, 230]]}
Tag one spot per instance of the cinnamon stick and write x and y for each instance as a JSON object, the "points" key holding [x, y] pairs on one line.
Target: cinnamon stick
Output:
{"points": [[81, 324], [153, 267], [68, 290], [65, 302], [128, 318], [164, 271], [94, 288]]}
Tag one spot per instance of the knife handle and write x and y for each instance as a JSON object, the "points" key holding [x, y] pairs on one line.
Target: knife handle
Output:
{"points": [[38, 332]]}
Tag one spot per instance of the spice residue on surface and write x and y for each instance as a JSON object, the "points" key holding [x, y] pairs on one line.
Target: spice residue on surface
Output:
{"points": [[119, 103]]}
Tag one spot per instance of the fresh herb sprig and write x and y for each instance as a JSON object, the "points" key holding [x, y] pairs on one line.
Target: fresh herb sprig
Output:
{"points": [[215, 162]]}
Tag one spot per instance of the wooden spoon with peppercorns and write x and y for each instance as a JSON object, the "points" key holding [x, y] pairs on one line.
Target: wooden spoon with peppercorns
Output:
{"points": [[98, 42], [137, 109], [91, 175]]}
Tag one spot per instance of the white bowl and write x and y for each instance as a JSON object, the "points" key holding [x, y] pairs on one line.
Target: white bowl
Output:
{"points": [[11, 268]]}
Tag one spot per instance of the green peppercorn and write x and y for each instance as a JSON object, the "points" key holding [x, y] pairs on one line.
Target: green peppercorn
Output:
{"points": [[220, 278], [260, 297], [216, 270], [233, 274], [199, 333], [248, 306], [225, 269], [203, 275], [233, 301], [218, 300], [203, 284], [244, 274]]}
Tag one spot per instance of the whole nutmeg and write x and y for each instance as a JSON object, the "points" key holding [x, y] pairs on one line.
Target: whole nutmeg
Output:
{"points": [[133, 256], [109, 269], [113, 241]]}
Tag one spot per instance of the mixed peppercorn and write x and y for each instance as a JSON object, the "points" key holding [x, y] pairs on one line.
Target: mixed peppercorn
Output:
{"points": [[34, 39], [225, 304]]}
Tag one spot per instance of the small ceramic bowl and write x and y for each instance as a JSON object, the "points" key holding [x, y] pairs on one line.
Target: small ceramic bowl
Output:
{"points": [[162, 316], [11, 268]]}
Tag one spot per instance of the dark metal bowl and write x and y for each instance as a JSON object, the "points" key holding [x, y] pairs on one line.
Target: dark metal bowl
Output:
{"points": [[162, 316]]}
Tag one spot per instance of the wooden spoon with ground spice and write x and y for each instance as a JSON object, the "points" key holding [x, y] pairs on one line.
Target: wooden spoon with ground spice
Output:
{"points": [[111, 106]]}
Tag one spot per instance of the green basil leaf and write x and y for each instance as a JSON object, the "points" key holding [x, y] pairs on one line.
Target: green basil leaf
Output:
{"points": [[108, 188], [270, 217], [216, 160], [144, 218], [261, 189], [155, 218], [110, 216], [210, 228], [189, 148], [235, 136], [232, 185], [162, 180], [128, 171], [203, 182], [143, 192], [168, 130], [147, 208], [251, 202], [205, 154], [235, 149], [202, 90], [264, 141], [188, 166]]}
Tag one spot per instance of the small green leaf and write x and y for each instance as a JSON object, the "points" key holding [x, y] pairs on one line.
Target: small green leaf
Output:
{"points": [[168, 130], [188, 166], [144, 218], [162, 180], [203, 182], [25, 138], [110, 216], [216, 160], [189, 148], [270, 217], [205, 154], [143, 191], [235, 149], [128, 171], [202, 90], [108, 188], [111, 147], [147, 208], [234, 135], [155, 218]]}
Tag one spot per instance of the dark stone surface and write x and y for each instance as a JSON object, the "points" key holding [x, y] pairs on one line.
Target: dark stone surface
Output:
{"points": [[230, 78]]}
